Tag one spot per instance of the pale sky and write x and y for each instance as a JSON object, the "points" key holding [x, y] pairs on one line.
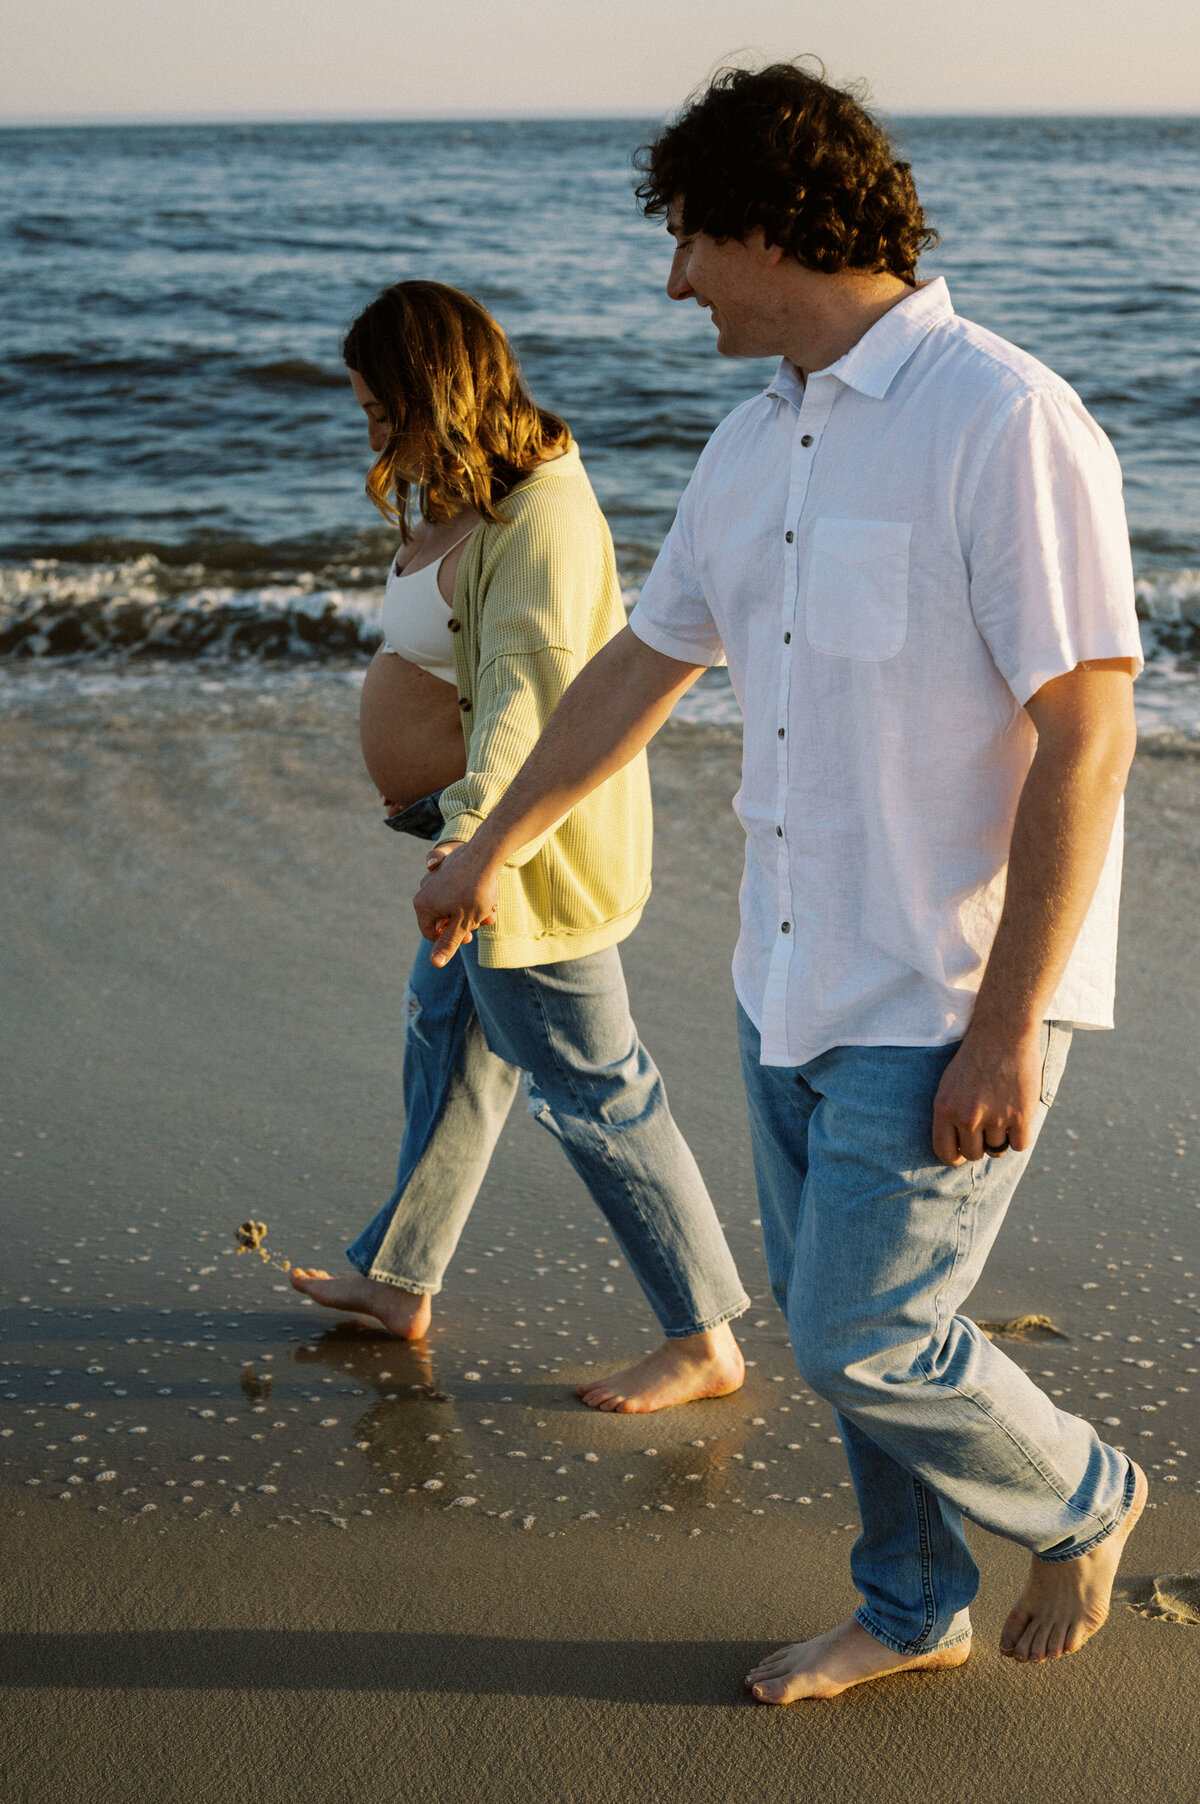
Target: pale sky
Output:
{"points": [[149, 59]]}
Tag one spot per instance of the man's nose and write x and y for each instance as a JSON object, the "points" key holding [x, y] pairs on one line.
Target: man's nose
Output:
{"points": [[678, 286]]}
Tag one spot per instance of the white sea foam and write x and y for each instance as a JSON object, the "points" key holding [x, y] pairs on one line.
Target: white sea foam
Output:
{"points": [[128, 627], [144, 608]]}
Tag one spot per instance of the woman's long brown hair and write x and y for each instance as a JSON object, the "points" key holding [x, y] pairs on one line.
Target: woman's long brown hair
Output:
{"points": [[461, 424]]}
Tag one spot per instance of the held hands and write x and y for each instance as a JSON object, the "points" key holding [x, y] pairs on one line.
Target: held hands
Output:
{"points": [[456, 897], [988, 1096]]}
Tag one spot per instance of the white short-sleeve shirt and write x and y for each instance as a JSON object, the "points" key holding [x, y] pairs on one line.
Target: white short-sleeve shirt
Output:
{"points": [[892, 558]]}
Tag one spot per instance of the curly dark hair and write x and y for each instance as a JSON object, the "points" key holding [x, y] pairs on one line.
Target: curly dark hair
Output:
{"points": [[784, 149]]}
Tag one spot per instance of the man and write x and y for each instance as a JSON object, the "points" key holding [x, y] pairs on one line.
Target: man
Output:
{"points": [[911, 550]]}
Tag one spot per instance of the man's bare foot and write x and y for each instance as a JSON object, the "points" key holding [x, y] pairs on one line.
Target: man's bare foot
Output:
{"points": [[1066, 1601], [840, 1658], [403, 1313], [680, 1371]]}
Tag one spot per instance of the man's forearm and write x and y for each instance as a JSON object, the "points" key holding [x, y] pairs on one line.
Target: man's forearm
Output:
{"points": [[1061, 837], [613, 708], [989, 1093]]}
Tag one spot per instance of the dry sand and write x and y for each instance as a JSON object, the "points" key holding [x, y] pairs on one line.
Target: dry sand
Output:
{"points": [[207, 936]]}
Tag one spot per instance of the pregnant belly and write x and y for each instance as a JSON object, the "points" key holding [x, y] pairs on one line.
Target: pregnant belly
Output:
{"points": [[411, 730]]}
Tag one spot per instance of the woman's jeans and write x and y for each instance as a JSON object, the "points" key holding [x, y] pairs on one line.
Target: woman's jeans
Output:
{"points": [[872, 1246], [470, 1033]]}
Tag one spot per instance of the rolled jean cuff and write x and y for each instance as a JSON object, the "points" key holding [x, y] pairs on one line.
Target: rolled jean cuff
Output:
{"points": [[367, 1270], [716, 1321], [910, 1649], [1102, 1534]]}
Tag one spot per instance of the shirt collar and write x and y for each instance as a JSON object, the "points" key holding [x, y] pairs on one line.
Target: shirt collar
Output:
{"points": [[871, 365]]}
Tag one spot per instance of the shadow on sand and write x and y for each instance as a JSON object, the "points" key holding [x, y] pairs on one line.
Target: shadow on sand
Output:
{"points": [[705, 1672]]}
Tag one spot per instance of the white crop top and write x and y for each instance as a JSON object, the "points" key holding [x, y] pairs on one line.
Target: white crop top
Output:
{"points": [[416, 618]]}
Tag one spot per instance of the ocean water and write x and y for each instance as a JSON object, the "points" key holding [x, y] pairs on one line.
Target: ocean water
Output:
{"points": [[181, 469]]}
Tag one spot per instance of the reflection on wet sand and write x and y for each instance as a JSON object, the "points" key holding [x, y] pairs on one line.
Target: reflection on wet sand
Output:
{"points": [[516, 1451], [151, 1416], [349, 1424]]}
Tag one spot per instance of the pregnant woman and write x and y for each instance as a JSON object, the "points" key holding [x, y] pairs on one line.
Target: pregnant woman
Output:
{"points": [[504, 587]]}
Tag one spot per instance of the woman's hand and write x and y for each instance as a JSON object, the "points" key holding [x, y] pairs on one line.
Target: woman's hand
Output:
{"points": [[438, 854], [453, 901]]}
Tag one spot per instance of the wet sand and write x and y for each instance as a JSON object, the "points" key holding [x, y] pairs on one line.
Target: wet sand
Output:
{"points": [[228, 1515]]}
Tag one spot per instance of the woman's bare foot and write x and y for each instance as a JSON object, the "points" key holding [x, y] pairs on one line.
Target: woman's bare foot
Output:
{"points": [[1066, 1601], [403, 1313], [834, 1661], [680, 1371]]}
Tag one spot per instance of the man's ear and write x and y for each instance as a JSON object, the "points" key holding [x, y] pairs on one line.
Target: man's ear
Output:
{"points": [[755, 242]]}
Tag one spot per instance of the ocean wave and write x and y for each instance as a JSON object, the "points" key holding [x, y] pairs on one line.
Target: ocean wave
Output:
{"points": [[295, 372], [334, 559], [87, 613], [128, 623], [246, 602], [1168, 604], [184, 360]]}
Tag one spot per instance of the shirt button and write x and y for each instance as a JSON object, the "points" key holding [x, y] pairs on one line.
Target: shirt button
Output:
{"points": [[779, 832], [464, 704], [789, 536], [781, 730], [786, 928], [806, 441], [455, 626], [787, 638]]}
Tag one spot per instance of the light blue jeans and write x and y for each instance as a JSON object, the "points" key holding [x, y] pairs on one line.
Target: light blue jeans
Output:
{"points": [[470, 1033], [872, 1247]]}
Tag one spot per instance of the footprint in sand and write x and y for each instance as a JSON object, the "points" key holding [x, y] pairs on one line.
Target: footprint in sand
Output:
{"points": [[1172, 1597]]}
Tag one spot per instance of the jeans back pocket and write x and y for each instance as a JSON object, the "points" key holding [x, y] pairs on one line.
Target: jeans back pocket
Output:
{"points": [[857, 601]]}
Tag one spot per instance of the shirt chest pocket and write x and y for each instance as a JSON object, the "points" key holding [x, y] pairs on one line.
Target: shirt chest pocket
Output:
{"points": [[857, 601]]}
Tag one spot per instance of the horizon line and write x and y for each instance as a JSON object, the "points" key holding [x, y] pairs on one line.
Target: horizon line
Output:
{"points": [[44, 121]]}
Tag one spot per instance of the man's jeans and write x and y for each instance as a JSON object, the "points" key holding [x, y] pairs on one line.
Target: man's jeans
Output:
{"points": [[872, 1246], [470, 1033]]}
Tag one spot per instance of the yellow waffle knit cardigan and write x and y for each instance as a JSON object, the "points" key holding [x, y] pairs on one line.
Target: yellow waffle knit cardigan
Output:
{"points": [[535, 597]]}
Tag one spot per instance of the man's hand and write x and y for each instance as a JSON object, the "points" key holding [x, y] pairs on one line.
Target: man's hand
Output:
{"points": [[988, 1096], [459, 894]]}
